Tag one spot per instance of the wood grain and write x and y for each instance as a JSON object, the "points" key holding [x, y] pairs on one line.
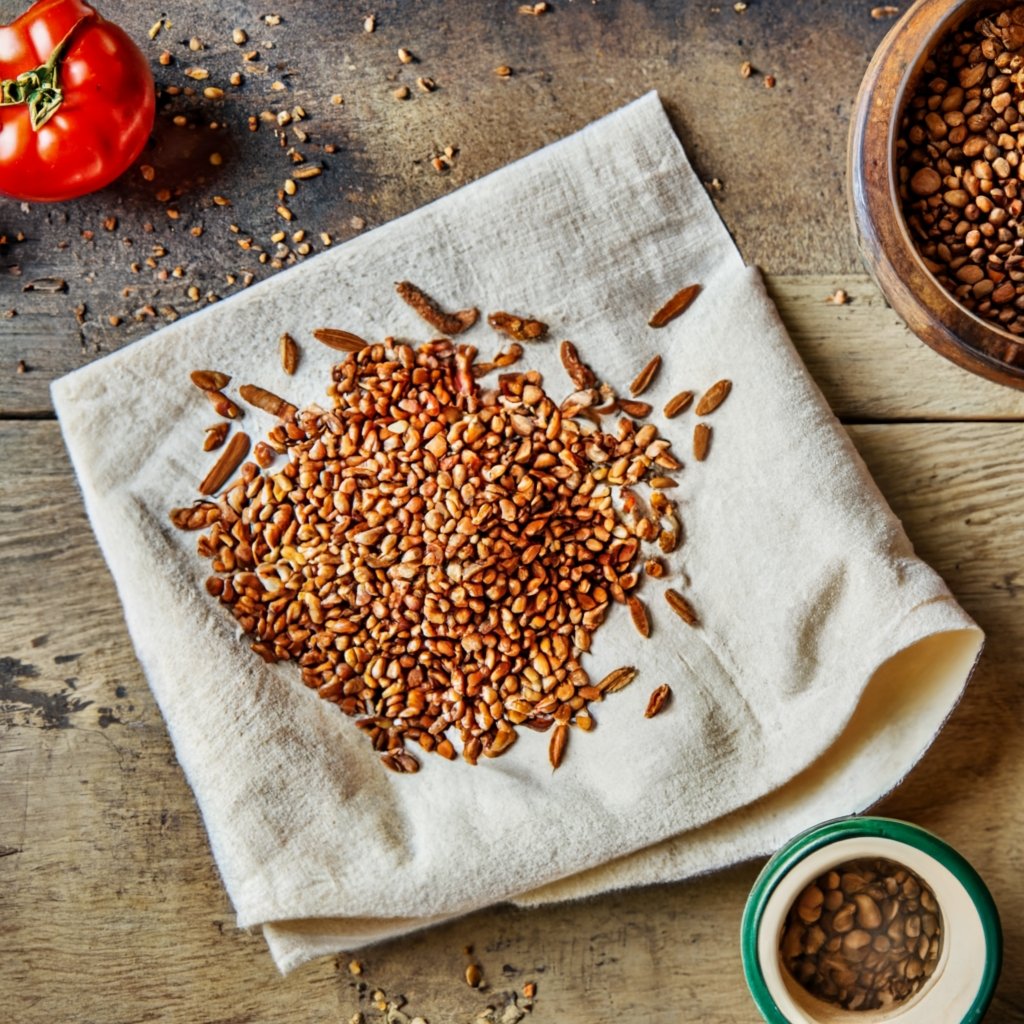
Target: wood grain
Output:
{"points": [[112, 907]]}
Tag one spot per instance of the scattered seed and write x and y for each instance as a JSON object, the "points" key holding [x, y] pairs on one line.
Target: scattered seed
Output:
{"points": [[662, 483], [556, 748], [405, 56], [231, 458], [769, 81], [369, 23], [215, 436], [448, 323], [209, 380], [638, 613], [658, 700], [504, 71], [746, 69], [675, 306], [654, 568], [883, 12], [644, 378], [355, 967], [519, 328], [342, 341], [223, 405], [529, 990], [267, 401], [401, 93], [616, 680], [46, 285], [838, 298], [681, 607], [289, 349], [680, 403], [239, 36], [701, 441], [713, 397], [579, 373]]}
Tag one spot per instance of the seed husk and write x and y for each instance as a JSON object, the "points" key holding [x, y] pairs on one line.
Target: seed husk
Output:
{"points": [[474, 976], [643, 379], [556, 747], [638, 613], [340, 341], [678, 304], [231, 458], [618, 679], [681, 607], [289, 349], [677, 404], [701, 441], [215, 436], [654, 568], [209, 380], [713, 397], [267, 401], [658, 699], [579, 373], [447, 323], [662, 483], [517, 327]]}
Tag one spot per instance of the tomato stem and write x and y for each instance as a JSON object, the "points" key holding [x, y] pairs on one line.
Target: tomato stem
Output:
{"points": [[39, 88]]}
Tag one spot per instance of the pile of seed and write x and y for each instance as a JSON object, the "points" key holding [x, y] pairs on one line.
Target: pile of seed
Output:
{"points": [[865, 935], [960, 169], [437, 556]]}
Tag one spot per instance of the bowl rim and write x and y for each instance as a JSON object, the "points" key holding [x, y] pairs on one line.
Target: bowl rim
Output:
{"points": [[932, 312]]}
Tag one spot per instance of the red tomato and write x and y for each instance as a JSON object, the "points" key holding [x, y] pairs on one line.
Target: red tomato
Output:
{"points": [[76, 102]]}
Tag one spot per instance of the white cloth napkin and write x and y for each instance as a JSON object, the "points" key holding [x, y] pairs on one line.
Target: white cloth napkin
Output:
{"points": [[828, 654]]}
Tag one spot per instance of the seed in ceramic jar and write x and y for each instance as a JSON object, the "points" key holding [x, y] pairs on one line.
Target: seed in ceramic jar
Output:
{"points": [[926, 182], [861, 955]]}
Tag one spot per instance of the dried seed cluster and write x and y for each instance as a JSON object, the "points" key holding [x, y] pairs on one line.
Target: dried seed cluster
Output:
{"points": [[960, 168], [436, 556], [865, 935]]}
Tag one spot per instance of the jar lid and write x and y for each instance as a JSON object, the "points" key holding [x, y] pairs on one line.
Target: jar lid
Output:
{"points": [[964, 980]]}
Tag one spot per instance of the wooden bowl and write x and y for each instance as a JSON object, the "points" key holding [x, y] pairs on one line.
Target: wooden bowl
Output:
{"points": [[930, 311]]}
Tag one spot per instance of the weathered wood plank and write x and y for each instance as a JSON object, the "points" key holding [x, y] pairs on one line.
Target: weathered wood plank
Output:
{"points": [[113, 910]]}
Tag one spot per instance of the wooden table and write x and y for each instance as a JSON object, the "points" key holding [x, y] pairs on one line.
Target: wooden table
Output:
{"points": [[112, 910]]}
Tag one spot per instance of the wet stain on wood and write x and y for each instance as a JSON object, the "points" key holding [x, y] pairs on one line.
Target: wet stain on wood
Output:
{"points": [[20, 705]]}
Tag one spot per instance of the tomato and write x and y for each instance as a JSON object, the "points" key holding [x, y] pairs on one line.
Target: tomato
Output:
{"points": [[76, 102]]}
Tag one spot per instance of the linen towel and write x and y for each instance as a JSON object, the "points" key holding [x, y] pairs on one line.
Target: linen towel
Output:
{"points": [[827, 657]]}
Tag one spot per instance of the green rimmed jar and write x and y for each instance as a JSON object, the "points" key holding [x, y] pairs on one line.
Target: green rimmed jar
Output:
{"points": [[964, 979]]}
